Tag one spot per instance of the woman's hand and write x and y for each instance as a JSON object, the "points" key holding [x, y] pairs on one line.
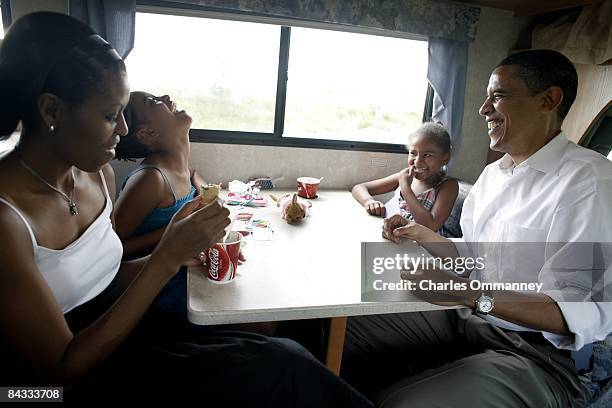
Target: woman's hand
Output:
{"points": [[374, 207], [200, 259], [193, 228], [397, 227]]}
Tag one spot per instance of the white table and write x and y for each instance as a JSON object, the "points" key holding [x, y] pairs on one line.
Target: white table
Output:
{"points": [[311, 270]]}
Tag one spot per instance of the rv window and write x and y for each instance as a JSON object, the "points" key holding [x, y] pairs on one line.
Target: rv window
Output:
{"points": [[222, 72], [253, 83], [354, 86]]}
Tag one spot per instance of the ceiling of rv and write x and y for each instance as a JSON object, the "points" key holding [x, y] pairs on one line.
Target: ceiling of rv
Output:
{"points": [[530, 7]]}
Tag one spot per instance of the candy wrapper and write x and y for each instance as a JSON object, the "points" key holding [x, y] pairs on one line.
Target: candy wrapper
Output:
{"points": [[247, 199]]}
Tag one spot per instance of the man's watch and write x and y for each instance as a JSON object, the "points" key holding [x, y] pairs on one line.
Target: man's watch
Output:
{"points": [[485, 302]]}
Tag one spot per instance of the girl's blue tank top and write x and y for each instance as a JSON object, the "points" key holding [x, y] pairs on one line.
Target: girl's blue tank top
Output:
{"points": [[159, 217]]}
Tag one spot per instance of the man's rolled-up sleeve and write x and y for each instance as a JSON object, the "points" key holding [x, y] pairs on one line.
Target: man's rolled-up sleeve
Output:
{"points": [[588, 322], [577, 274]]}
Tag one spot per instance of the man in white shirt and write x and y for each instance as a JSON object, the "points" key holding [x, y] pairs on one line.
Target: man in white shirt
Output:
{"points": [[510, 347]]}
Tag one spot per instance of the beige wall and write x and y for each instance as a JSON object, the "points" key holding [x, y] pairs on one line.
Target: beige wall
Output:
{"points": [[341, 169], [594, 93]]}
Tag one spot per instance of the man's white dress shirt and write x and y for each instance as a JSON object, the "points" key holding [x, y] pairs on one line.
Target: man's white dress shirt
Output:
{"points": [[560, 195]]}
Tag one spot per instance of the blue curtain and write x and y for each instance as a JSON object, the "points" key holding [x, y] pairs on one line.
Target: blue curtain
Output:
{"points": [[446, 74], [112, 19]]}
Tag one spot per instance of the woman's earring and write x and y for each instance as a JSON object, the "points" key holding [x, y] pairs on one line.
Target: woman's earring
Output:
{"points": [[51, 128], [444, 168]]}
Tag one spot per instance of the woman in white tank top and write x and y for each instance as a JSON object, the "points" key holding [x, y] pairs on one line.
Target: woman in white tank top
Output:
{"points": [[63, 319]]}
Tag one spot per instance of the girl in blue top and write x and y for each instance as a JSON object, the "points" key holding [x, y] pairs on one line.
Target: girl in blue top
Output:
{"points": [[155, 190]]}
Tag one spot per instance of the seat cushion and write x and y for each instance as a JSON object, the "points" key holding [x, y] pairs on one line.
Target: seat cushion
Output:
{"points": [[452, 227]]}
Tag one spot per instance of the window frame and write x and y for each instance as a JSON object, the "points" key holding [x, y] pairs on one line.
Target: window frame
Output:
{"points": [[275, 138]]}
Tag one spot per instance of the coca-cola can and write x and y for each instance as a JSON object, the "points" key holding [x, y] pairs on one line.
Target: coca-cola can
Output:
{"points": [[221, 260]]}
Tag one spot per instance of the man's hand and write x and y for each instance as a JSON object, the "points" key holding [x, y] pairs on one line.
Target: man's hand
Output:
{"points": [[392, 223], [440, 287], [397, 227]]}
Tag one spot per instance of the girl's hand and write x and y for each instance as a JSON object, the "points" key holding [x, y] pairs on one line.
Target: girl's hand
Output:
{"points": [[374, 207], [193, 228], [406, 176]]}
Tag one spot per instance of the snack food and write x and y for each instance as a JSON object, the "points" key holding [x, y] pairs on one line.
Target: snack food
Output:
{"points": [[209, 192]]}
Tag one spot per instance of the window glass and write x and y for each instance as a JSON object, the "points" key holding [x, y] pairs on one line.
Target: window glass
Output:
{"points": [[357, 87], [341, 86], [222, 72]]}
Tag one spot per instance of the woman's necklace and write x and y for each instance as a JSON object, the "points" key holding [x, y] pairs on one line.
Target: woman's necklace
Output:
{"points": [[72, 206]]}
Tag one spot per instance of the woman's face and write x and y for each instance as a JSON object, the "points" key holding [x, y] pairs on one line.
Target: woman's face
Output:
{"points": [[426, 157], [88, 133], [159, 114]]}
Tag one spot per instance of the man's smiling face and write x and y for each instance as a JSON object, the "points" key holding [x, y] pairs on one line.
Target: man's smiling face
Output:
{"points": [[509, 110]]}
